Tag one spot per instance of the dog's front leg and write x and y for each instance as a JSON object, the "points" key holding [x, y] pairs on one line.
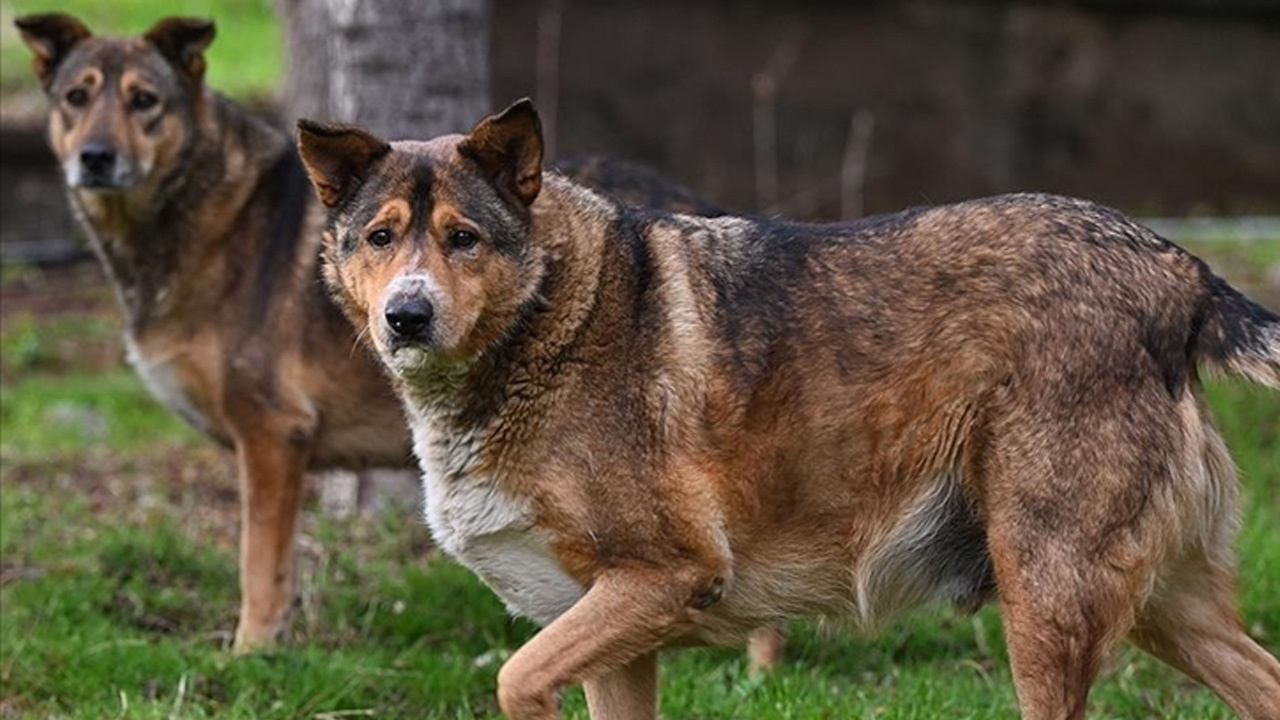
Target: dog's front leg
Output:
{"points": [[628, 693], [608, 639], [271, 469]]}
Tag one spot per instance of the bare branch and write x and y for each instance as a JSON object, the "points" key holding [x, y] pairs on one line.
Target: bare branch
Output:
{"points": [[853, 169], [548, 71], [764, 112]]}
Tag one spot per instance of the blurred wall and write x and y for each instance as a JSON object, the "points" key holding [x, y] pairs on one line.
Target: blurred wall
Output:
{"points": [[1158, 111], [1155, 106]]}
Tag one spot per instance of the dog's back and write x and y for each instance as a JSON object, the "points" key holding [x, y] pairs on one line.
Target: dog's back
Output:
{"points": [[999, 396], [1005, 394], [876, 364]]}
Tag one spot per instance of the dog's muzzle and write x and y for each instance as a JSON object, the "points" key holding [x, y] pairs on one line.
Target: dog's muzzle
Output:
{"points": [[409, 317], [98, 166]]}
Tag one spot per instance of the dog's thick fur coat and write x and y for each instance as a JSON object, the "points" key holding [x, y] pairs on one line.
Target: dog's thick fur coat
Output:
{"points": [[206, 224], [644, 429]]}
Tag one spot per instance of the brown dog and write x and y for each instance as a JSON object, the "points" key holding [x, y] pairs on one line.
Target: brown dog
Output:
{"points": [[200, 213], [643, 429], [206, 224]]}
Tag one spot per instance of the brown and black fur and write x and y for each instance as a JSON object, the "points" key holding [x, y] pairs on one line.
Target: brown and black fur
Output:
{"points": [[207, 225], [647, 429]]}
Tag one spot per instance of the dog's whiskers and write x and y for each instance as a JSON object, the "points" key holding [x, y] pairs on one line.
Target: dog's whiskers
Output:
{"points": [[359, 336]]}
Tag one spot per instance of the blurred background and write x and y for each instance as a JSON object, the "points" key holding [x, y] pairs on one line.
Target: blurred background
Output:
{"points": [[810, 109], [118, 523]]}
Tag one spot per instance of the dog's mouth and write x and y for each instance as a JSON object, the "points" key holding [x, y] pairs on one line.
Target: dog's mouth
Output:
{"points": [[423, 366], [101, 184], [397, 344], [113, 183], [405, 351]]}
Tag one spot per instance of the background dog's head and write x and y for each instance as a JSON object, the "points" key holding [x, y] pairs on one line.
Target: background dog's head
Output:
{"points": [[122, 109], [426, 246]]}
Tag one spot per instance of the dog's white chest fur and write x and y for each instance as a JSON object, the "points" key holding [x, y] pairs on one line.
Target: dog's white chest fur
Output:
{"points": [[159, 377], [488, 531]]}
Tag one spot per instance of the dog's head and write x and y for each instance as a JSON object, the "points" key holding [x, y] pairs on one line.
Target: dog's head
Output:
{"points": [[121, 109], [426, 247]]}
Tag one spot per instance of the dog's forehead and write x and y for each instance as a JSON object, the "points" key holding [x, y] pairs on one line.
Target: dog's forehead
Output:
{"points": [[427, 158], [421, 176], [429, 167], [438, 147], [113, 57]]}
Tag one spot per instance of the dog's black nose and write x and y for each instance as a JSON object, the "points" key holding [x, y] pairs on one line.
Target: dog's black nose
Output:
{"points": [[409, 317], [97, 159]]}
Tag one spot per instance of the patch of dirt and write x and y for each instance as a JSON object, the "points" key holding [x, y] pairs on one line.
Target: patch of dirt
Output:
{"points": [[77, 289], [195, 485], [58, 320]]}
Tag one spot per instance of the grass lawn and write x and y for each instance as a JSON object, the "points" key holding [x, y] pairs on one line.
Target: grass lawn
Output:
{"points": [[118, 587], [245, 61]]}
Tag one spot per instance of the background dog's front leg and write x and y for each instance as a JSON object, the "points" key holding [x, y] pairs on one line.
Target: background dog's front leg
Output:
{"points": [[271, 470], [607, 639]]}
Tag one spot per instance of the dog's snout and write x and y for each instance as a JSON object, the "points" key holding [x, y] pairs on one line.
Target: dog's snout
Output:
{"points": [[409, 317], [97, 159]]}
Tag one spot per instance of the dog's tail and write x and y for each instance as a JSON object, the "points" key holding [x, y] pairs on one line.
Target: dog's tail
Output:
{"points": [[1238, 336]]}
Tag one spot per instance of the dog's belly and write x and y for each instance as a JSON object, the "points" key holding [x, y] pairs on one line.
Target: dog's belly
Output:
{"points": [[495, 538], [374, 441]]}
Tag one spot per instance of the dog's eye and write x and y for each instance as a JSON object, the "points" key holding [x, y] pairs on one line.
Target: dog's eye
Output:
{"points": [[143, 100], [77, 97], [380, 237], [462, 239]]}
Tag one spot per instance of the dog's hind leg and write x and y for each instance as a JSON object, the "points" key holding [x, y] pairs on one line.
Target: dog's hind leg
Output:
{"points": [[1059, 625], [1074, 537], [271, 467], [1192, 624], [1190, 620], [765, 647]]}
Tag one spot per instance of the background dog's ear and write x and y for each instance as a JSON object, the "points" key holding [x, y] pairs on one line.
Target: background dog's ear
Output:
{"points": [[508, 148], [337, 157], [50, 37], [183, 41]]}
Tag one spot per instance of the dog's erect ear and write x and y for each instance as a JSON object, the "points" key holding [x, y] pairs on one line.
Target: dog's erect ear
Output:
{"points": [[183, 41], [508, 149], [50, 37], [337, 157]]}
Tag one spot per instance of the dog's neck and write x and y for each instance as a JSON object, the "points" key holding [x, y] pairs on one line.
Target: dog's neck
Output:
{"points": [[149, 236]]}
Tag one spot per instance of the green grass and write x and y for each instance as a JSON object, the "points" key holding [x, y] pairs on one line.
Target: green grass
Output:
{"points": [[245, 61], [118, 604], [58, 399], [1247, 263], [59, 415]]}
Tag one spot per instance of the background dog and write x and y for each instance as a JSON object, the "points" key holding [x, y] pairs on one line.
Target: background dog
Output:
{"points": [[205, 222], [643, 429], [199, 212]]}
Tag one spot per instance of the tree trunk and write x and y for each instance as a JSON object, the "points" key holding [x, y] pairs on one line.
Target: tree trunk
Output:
{"points": [[406, 69], [306, 88]]}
